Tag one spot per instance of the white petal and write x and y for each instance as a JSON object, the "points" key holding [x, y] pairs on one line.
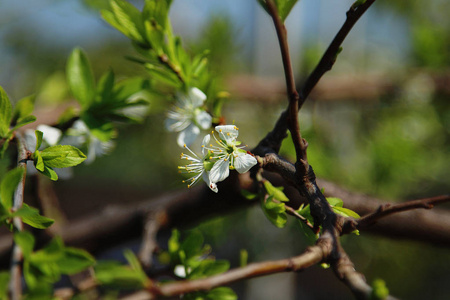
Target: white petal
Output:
{"points": [[176, 124], [243, 162], [219, 171], [180, 271], [229, 133], [197, 97], [203, 119], [51, 134], [80, 126], [205, 143], [208, 182], [188, 136]]}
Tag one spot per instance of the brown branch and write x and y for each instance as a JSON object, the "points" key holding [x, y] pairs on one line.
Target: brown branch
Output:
{"points": [[272, 141], [154, 221]]}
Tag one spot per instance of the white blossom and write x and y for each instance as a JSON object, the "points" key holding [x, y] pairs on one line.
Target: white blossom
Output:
{"points": [[188, 117], [198, 166]]}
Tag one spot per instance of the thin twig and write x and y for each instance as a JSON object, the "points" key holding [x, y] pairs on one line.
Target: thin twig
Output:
{"points": [[293, 124], [389, 209], [15, 285], [153, 222]]}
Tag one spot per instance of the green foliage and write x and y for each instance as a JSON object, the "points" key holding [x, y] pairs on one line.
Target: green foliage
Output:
{"points": [[275, 211], [276, 192], [31, 216], [44, 267], [4, 284], [80, 77], [379, 290], [113, 274], [8, 186], [284, 7], [5, 113]]}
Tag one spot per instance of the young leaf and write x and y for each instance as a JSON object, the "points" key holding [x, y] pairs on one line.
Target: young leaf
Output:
{"points": [[275, 212], [284, 7], [24, 121], [335, 201], [31, 216], [379, 290], [248, 195], [221, 293], [345, 212], [126, 18], [74, 261], [25, 240], [4, 284], [23, 108], [8, 186], [5, 113], [80, 77], [39, 135], [62, 156], [50, 173], [276, 192]]}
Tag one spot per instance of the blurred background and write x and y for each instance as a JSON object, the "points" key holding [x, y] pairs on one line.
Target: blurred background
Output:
{"points": [[378, 123]]}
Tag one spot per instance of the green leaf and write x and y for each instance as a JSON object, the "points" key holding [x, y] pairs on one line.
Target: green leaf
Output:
{"points": [[24, 121], [345, 212], [126, 18], [105, 86], [275, 212], [174, 241], [80, 77], [74, 260], [62, 156], [248, 195], [31, 216], [132, 260], [284, 7], [50, 173], [8, 186], [39, 135], [276, 192], [192, 245], [25, 240], [221, 293], [5, 113], [243, 258], [4, 284], [379, 290], [335, 201], [118, 276], [23, 108]]}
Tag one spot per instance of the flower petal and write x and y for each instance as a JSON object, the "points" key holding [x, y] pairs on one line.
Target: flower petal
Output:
{"points": [[229, 133], [211, 185], [203, 119], [188, 135], [243, 162], [176, 123], [219, 171], [205, 143], [197, 97]]}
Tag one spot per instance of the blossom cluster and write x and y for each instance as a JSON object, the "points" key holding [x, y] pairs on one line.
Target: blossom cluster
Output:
{"points": [[217, 158]]}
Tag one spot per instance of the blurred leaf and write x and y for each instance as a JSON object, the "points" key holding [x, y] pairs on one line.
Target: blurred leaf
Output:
{"points": [[23, 121], [23, 108], [157, 10], [275, 212], [276, 192], [248, 195], [75, 260], [335, 201], [62, 156], [25, 240], [243, 258], [8, 186], [5, 113], [4, 284], [209, 267], [221, 293], [119, 276], [133, 261], [31, 216], [379, 290], [80, 77], [39, 136], [192, 245], [284, 7]]}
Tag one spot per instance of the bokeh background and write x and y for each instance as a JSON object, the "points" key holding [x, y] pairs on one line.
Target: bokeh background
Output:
{"points": [[378, 123]]}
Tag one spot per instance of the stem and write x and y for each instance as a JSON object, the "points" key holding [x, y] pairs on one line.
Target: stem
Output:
{"points": [[16, 259]]}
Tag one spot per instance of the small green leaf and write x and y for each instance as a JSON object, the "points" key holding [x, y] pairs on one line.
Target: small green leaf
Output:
{"points": [[80, 77], [62, 156], [8, 186], [275, 212], [174, 242], [24, 121], [118, 276], [50, 173], [23, 108], [243, 258], [25, 240], [248, 195], [276, 192], [345, 212], [192, 244], [31, 216], [133, 261], [335, 201], [284, 7], [5, 113], [221, 293], [74, 261], [379, 290], [39, 135]]}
